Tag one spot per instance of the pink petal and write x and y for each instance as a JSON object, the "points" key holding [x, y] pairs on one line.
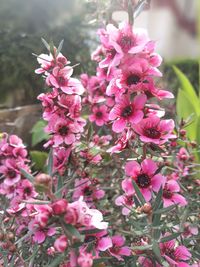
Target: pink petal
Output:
{"points": [[149, 166], [39, 237], [104, 243], [157, 181], [119, 125], [132, 168]]}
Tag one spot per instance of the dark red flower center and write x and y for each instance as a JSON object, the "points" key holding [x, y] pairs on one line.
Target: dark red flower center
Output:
{"points": [[167, 193], [87, 191], [11, 173], [126, 42], [90, 238], [143, 180], [61, 80], [152, 133], [27, 190], [63, 130], [111, 53], [129, 200], [127, 111], [170, 253], [99, 114], [132, 79]]}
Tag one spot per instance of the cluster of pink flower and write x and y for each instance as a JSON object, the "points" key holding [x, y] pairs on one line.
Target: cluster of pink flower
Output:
{"points": [[62, 106], [13, 158]]}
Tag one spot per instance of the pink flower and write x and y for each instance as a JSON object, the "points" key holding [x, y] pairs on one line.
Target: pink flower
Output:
{"points": [[125, 112], [85, 259], [84, 215], [59, 77], [100, 115], [154, 130], [145, 176], [61, 243], [126, 200], [101, 240], [175, 255], [10, 172], [118, 250], [171, 195]]}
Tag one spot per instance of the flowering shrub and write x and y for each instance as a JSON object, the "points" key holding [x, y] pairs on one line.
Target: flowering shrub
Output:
{"points": [[120, 186]]}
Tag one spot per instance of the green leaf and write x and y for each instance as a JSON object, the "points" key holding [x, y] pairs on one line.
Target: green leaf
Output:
{"points": [[59, 47], [46, 44], [170, 237], [73, 231], [50, 163], [158, 201], [138, 193], [38, 133], [185, 109], [165, 210], [188, 89], [56, 262], [27, 175], [156, 251], [102, 259], [39, 159]]}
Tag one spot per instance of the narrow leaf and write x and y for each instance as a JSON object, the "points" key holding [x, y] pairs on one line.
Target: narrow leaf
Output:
{"points": [[138, 193], [46, 44], [27, 175], [170, 237], [59, 47]]}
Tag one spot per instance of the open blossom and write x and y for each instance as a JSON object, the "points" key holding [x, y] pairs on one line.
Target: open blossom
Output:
{"points": [[145, 176], [61, 243], [101, 240], [126, 200], [99, 115], [125, 112], [117, 42], [154, 130], [175, 255], [79, 213], [118, 249], [85, 259], [171, 194]]}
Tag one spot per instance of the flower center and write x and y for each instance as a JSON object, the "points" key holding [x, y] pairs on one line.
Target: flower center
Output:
{"points": [[127, 111], [27, 190], [11, 174], [63, 130], [132, 79], [129, 200], [152, 133], [143, 180], [167, 193], [170, 253], [87, 191], [99, 114], [61, 80], [111, 53], [126, 42]]}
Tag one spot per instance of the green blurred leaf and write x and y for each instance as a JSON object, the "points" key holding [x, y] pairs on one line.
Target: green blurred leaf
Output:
{"points": [[27, 175], [184, 109], [39, 159], [38, 133], [50, 163], [73, 231], [188, 89], [59, 47], [46, 44], [56, 262]]}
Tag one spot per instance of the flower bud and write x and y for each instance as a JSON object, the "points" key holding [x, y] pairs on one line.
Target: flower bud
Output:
{"points": [[61, 243], [42, 182], [1, 236], [85, 259], [59, 206], [10, 236], [147, 208], [12, 248], [183, 132]]}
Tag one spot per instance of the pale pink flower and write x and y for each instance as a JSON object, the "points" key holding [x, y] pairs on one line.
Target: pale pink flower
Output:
{"points": [[61, 243]]}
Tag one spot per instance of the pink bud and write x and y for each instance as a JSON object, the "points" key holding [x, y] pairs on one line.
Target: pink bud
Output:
{"points": [[61, 243], [59, 206], [71, 216], [85, 259], [42, 218]]}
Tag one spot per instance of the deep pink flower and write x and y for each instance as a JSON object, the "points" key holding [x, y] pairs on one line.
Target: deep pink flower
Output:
{"points": [[118, 250], [175, 255], [145, 176], [171, 194], [125, 112], [154, 130], [85, 259], [100, 115], [101, 240]]}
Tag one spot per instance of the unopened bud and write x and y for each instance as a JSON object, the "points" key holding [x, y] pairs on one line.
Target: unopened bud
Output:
{"points": [[10, 236], [183, 132], [59, 206], [147, 208], [12, 248], [42, 182]]}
